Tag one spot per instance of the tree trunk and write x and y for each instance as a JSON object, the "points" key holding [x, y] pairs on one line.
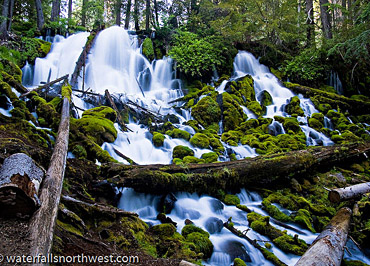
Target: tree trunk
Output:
{"points": [[147, 16], [136, 15], [70, 9], [128, 13], [4, 24], [83, 13], [328, 247], [310, 23], [113, 105], [355, 191], [55, 10], [42, 224], [82, 58], [11, 10], [355, 107], [325, 19], [156, 13], [267, 170], [40, 15], [20, 179], [118, 12]]}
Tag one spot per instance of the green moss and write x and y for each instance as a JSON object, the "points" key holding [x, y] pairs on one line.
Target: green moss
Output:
{"points": [[315, 124], [202, 243], [255, 107], [291, 123], [216, 145], [303, 217], [268, 245], [353, 263], [239, 262], [178, 134], [163, 230], [210, 157], [293, 108], [231, 137], [147, 49], [231, 199], [182, 151], [79, 152], [158, 139], [200, 140], [265, 100], [206, 112], [232, 113], [67, 92], [33, 48], [190, 228], [292, 245], [192, 159], [69, 228]]}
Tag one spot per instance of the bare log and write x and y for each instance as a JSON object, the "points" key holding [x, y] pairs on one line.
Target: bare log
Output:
{"points": [[113, 105], [46, 85], [87, 92], [328, 247], [148, 112], [20, 179], [210, 178], [356, 191], [120, 154], [267, 254], [186, 263], [356, 107], [42, 224], [82, 58]]}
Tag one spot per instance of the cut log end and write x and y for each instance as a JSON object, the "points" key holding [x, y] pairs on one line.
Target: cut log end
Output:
{"points": [[334, 196], [15, 203]]}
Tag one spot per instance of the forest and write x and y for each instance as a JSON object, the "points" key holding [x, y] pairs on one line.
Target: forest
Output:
{"points": [[185, 132]]}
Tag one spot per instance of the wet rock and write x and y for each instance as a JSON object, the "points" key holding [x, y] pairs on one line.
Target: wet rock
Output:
{"points": [[106, 192], [214, 225], [236, 249], [216, 205], [168, 203], [165, 220], [172, 118], [187, 222], [187, 213]]}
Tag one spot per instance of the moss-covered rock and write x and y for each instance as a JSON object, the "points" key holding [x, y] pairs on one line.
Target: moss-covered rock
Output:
{"points": [[191, 228], [293, 107], [232, 113], [182, 151], [192, 159], [231, 199], [147, 49], [231, 137], [200, 140], [202, 244], [265, 100], [33, 48], [207, 112], [158, 139], [291, 123], [216, 145], [178, 134], [210, 157], [303, 217]]}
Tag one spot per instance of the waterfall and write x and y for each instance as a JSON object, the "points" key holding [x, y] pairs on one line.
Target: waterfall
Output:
{"points": [[335, 82], [27, 75]]}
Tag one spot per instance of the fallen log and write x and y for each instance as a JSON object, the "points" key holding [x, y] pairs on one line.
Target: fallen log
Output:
{"points": [[356, 191], [354, 106], [87, 92], [119, 118], [82, 58], [20, 179], [265, 170], [267, 254], [120, 154], [148, 112], [46, 85], [42, 223], [328, 247]]}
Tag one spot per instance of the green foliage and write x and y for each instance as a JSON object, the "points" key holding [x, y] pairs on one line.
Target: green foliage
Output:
{"points": [[195, 56], [178, 134], [147, 49], [33, 48]]}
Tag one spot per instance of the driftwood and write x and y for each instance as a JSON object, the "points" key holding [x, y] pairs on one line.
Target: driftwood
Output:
{"points": [[87, 92], [356, 191], [119, 118], [42, 224], [328, 247], [46, 85], [356, 107], [264, 251], [82, 58], [20, 179], [120, 154], [209, 178], [186, 263], [146, 111]]}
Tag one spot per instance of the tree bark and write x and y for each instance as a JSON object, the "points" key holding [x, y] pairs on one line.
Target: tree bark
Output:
{"points": [[267, 170], [42, 224], [328, 247], [4, 24], [147, 16], [113, 105], [128, 13], [82, 58], [55, 10], [355, 191], [20, 179], [136, 15], [356, 107], [156, 13], [83, 13], [11, 10], [40, 15], [310, 23], [118, 12], [325, 19], [70, 9], [45, 85]]}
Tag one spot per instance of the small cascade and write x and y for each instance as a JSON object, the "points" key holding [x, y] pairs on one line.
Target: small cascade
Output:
{"points": [[315, 138], [27, 75], [335, 82]]}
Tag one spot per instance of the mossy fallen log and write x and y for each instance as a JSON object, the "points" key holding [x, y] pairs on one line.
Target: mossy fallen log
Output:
{"points": [[20, 179], [356, 191], [45, 85], [328, 247], [354, 106], [211, 178], [42, 223]]}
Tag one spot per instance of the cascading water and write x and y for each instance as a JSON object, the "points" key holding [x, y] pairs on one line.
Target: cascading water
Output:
{"points": [[27, 76]]}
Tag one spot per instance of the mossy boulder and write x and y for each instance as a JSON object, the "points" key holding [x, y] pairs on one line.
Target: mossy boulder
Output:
{"points": [[33, 48], [182, 151], [239, 262], [232, 113], [200, 140], [191, 228], [148, 50], [291, 123], [210, 157], [255, 107], [178, 134], [216, 145], [243, 88], [265, 100], [192, 159], [303, 217], [231, 199], [207, 112], [97, 123], [202, 244], [158, 139], [293, 107]]}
